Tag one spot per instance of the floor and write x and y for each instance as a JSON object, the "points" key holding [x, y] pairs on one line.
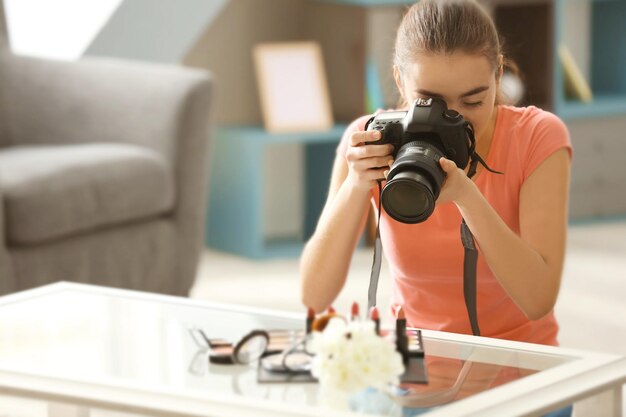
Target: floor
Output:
{"points": [[591, 308]]}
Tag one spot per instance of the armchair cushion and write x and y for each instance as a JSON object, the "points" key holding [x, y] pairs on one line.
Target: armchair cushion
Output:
{"points": [[50, 192]]}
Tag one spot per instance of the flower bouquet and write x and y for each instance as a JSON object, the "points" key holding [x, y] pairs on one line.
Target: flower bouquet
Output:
{"points": [[352, 360]]}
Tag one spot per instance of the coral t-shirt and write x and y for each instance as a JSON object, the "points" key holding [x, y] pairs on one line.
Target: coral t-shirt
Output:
{"points": [[426, 259]]}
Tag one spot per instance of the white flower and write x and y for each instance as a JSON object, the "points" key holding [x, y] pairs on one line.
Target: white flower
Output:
{"points": [[351, 357]]}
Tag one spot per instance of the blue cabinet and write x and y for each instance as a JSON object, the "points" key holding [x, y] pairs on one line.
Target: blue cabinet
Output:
{"points": [[237, 188]]}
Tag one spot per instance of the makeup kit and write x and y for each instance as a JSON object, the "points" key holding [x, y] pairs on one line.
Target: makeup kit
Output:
{"points": [[283, 355], [409, 345]]}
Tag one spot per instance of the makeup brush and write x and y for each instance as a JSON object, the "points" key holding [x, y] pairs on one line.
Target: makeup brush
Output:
{"points": [[310, 316]]}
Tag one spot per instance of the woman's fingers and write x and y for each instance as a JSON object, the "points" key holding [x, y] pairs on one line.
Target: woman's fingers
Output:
{"points": [[368, 162], [362, 137], [447, 165], [369, 151], [376, 162]]}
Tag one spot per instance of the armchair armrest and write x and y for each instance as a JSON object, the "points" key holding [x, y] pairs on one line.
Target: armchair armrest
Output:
{"points": [[99, 100]]}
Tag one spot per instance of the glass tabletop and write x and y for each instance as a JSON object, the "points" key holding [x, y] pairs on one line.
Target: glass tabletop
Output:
{"points": [[105, 337]]}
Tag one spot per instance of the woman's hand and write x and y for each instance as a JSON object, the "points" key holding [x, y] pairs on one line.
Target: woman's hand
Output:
{"points": [[456, 185], [367, 163]]}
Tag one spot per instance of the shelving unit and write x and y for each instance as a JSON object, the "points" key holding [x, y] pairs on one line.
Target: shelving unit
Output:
{"points": [[603, 105], [235, 218], [606, 59], [595, 31]]}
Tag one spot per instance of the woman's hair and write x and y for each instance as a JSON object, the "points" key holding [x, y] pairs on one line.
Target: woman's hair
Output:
{"points": [[447, 26]]}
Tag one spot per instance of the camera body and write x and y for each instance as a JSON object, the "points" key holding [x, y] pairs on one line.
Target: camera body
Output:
{"points": [[421, 136]]}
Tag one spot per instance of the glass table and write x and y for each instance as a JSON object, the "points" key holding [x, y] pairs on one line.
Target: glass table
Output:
{"points": [[93, 350]]}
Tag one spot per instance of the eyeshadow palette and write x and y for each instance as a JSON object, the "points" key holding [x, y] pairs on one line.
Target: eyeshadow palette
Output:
{"points": [[416, 346]]}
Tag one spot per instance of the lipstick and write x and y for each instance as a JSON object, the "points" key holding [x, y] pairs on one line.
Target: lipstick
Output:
{"points": [[375, 317], [354, 311], [310, 316], [402, 341]]}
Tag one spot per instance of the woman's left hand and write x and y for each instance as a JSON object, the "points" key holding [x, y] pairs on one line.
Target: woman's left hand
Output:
{"points": [[456, 185]]}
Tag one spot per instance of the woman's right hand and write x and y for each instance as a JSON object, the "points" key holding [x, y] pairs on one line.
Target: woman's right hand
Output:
{"points": [[367, 163]]}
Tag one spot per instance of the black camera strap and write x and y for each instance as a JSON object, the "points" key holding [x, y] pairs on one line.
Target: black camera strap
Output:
{"points": [[378, 257], [470, 260], [474, 157]]}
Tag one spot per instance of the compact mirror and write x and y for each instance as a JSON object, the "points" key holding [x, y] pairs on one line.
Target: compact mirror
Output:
{"points": [[295, 362], [251, 347], [295, 359]]}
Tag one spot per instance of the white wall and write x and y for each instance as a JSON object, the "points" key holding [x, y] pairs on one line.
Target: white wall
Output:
{"points": [[155, 30]]}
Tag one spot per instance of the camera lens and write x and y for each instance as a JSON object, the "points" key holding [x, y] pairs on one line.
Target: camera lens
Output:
{"points": [[413, 182], [409, 195]]}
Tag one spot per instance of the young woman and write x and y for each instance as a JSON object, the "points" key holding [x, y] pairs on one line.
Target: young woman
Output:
{"points": [[451, 50]]}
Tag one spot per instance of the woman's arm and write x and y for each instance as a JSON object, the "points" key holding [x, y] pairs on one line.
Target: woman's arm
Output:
{"points": [[326, 257], [528, 266]]}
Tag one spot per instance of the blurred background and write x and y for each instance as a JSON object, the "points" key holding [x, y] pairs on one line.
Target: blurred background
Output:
{"points": [[259, 193]]}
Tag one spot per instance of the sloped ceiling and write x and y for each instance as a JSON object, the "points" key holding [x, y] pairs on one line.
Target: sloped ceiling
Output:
{"points": [[155, 30], [151, 30]]}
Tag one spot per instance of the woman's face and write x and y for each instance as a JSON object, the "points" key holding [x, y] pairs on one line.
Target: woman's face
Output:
{"points": [[467, 83]]}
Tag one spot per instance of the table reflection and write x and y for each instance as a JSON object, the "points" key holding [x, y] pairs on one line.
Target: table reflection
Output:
{"points": [[452, 379]]}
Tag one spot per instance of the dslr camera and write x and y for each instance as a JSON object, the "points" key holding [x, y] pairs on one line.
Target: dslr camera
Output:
{"points": [[421, 135]]}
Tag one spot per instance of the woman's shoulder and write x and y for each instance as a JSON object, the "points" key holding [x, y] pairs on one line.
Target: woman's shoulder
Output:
{"points": [[532, 135], [530, 118]]}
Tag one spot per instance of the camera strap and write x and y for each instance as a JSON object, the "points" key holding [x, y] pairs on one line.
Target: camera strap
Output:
{"points": [[378, 255], [470, 260]]}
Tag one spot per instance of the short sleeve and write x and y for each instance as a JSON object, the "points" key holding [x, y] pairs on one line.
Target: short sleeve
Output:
{"points": [[548, 136], [356, 126]]}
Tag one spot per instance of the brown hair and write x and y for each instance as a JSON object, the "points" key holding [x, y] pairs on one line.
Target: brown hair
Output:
{"points": [[447, 26]]}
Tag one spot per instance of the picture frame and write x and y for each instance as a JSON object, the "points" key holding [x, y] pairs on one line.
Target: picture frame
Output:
{"points": [[292, 87]]}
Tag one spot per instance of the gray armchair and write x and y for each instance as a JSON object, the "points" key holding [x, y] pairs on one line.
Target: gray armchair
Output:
{"points": [[103, 173]]}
